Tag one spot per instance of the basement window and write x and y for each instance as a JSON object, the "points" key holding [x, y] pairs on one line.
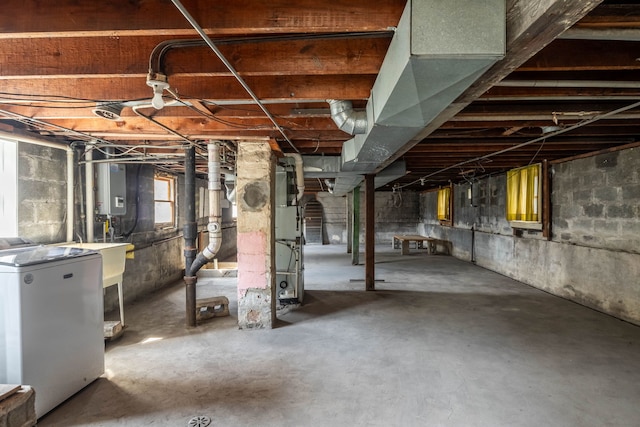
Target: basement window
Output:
{"points": [[164, 198], [524, 201], [8, 189], [444, 206]]}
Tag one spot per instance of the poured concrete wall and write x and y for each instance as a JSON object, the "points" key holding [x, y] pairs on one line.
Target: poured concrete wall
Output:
{"points": [[396, 213], [593, 257]]}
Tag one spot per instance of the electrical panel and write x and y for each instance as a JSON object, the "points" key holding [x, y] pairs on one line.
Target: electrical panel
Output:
{"points": [[111, 197]]}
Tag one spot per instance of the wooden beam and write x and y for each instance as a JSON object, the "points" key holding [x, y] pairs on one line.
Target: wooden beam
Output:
{"points": [[199, 124], [283, 88], [129, 56], [118, 18], [530, 27], [502, 94], [612, 16], [580, 55], [246, 110]]}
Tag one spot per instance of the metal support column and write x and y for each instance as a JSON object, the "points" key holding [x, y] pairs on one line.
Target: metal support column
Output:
{"points": [[190, 232], [349, 219], [369, 235], [355, 235]]}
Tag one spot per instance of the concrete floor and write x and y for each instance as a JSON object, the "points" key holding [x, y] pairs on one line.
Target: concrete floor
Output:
{"points": [[440, 343]]}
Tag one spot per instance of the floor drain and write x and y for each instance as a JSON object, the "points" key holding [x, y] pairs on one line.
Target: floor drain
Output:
{"points": [[199, 421]]}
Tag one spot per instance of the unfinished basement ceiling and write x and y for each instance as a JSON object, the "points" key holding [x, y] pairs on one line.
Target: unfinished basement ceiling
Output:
{"points": [[567, 65]]}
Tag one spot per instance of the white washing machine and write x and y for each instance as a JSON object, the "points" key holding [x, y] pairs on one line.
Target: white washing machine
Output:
{"points": [[51, 321]]}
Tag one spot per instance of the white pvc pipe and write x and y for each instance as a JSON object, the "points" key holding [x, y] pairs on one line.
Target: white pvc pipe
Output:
{"points": [[215, 211], [70, 198], [89, 199], [70, 180]]}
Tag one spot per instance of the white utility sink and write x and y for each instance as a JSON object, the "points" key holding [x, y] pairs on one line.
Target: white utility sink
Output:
{"points": [[113, 261]]}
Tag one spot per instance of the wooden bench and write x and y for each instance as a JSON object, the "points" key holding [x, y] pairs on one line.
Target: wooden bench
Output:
{"points": [[432, 243]]}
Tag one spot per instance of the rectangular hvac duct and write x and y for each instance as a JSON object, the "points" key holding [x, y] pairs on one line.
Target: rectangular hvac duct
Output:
{"points": [[439, 49]]}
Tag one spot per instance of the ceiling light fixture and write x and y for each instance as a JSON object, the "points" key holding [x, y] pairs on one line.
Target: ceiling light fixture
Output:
{"points": [[109, 111], [158, 82]]}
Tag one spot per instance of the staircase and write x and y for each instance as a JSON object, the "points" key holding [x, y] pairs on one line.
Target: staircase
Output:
{"points": [[313, 222]]}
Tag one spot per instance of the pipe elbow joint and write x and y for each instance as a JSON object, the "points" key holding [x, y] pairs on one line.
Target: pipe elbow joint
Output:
{"points": [[346, 118]]}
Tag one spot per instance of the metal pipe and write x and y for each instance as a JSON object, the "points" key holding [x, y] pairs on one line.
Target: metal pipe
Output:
{"points": [[190, 232], [230, 185], [90, 198], [215, 211], [70, 198], [355, 245], [230, 67], [346, 118]]}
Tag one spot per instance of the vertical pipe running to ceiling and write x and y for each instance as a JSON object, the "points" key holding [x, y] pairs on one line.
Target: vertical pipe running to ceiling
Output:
{"points": [[215, 211], [190, 230], [70, 199], [89, 184]]}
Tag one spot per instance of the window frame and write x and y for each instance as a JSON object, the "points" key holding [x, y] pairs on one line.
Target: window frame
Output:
{"points": [[171, 200], [536, 197], [9, 199]]}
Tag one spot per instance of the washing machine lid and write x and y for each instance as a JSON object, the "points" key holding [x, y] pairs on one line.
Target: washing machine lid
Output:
{"points": [[40, 254]]}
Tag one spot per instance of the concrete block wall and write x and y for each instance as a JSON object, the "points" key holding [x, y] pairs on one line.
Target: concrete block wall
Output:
{"points": [[593, 257], [159, 259], [396, 213], [596, 201], [42, 193]]}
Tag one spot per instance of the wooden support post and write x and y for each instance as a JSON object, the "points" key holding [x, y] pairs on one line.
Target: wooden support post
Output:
{"points": [[355, 235], [370, 238]]}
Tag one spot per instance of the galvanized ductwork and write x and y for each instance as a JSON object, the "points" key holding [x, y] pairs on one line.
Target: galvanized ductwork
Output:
{"points": [[439, 49], [346, 118]]}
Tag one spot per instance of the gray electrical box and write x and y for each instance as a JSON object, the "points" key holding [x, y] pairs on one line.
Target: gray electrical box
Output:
{"points": [[111, 197]]}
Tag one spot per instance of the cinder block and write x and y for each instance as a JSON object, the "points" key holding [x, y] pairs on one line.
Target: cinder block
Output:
{"points": [[620, 211], [631, 193], [208, 308], [582, 196], [594, 210], [19, 410], [606, 194]]}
